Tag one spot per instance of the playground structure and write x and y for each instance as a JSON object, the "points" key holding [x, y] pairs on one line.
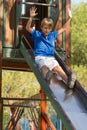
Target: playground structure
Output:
{"points": [[16, 52]]}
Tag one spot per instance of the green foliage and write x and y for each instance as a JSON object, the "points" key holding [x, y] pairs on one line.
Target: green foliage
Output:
{"points": [[17, 83], [79, 35], [79, 42], [6, 117]]}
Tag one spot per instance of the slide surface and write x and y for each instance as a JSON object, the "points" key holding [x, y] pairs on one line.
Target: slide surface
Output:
{"points": [[72, 106], [71, 110]]}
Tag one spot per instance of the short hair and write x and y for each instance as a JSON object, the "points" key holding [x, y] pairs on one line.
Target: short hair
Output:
{"points": [[47, 21]]}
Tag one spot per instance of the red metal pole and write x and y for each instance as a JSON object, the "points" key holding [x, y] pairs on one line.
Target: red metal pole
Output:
{"points": [[43, 110]]}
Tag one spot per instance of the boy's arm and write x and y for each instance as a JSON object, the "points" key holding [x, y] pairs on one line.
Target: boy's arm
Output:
{"points": [[32, 14], [61, 30], [64, 28], [28, 26]]}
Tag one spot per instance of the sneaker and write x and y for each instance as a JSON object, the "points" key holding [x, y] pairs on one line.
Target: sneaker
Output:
{"points": [[71, 80], [49, 76], [68, 94]]}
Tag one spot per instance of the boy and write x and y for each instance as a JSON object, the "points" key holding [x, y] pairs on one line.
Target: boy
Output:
{"points": [[44, 47]]}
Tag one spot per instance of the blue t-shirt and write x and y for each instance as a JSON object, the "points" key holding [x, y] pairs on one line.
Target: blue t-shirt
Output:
{"points": [[44, 46]]}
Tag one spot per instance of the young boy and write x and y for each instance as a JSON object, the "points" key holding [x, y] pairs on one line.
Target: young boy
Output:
{"points": [[44, 47]]}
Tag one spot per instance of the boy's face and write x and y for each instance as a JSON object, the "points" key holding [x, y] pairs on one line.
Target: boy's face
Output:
{"points": [[46, 29]]}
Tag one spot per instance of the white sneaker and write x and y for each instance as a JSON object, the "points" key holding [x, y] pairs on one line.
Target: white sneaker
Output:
{"points": [[71, 80], [49, 76]]}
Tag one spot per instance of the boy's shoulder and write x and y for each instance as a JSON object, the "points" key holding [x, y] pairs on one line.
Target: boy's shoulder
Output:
{"points": [[36, 32]]}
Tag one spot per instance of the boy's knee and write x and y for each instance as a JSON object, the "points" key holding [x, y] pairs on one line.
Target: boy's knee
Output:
{"points": [[44, 71]]}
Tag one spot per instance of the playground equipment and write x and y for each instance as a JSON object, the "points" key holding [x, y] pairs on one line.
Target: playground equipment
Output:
{"points": [[17, 54]]}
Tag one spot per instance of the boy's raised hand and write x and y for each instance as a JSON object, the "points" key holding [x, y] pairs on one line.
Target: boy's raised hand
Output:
{"points": [[70, 14], [67, 23], [33, 11]]}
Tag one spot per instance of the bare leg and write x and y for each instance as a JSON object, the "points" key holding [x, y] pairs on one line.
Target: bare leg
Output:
{"points": [[60, 71], [44, 71], [47, 74]]}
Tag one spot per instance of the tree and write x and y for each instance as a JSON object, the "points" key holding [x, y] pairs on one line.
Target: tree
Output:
{"points": [[79, 35], [20, 83]]}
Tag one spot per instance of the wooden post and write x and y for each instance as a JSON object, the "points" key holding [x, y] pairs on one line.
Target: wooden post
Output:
{"points": [[10, 23], [43, 110], [59, 24], [68, 35]]}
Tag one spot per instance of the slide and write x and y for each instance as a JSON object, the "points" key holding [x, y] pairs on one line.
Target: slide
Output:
{"points": [[72, 110]]}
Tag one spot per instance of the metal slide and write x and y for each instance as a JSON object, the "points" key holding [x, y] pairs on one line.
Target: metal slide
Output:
{"points": [[72, 110]]}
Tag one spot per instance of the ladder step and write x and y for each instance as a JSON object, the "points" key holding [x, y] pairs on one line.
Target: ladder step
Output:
{"points": [[42, 4], [24, 17]]}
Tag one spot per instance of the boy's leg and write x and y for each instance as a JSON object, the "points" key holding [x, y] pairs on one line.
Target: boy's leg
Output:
{"points": [[60, 72], [44, 69], [43, 66], [46, 73], [71, 85], [71, 80], [49, 76], [67, 79]]}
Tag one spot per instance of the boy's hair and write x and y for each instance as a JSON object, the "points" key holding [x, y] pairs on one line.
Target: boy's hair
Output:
{"points": [[47, 21]]}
